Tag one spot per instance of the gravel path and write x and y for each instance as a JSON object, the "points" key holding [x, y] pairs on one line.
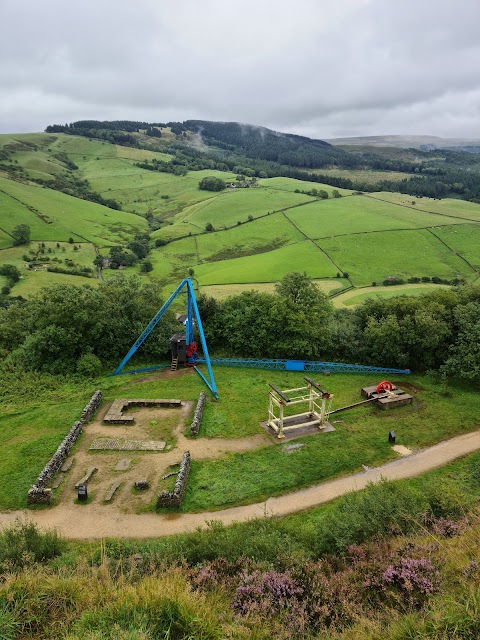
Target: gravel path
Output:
{"points": [[99, 521]]}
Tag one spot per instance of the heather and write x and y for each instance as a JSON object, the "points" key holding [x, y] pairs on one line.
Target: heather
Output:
{"points": [[413, 572]]}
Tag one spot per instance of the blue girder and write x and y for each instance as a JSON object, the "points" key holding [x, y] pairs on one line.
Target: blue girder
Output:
{"points": [[192, 310], [300, 365]]}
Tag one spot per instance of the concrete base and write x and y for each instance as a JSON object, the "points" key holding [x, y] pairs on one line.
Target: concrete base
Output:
{"points": [[292, 433], [399, 398]]}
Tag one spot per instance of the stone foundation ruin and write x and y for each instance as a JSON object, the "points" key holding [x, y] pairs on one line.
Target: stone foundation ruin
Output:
{"points": [[174, 498], [198, 415], [38, 492]]}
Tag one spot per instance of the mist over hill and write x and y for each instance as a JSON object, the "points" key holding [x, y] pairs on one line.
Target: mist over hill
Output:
{"points": [[267, 153]]}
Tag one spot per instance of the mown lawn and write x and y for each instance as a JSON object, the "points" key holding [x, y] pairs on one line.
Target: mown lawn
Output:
{"points": [[361, 438], [39, 410]]}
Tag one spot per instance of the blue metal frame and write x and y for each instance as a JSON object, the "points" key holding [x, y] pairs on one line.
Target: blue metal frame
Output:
{"points": [[192, 309], [301, 365]]}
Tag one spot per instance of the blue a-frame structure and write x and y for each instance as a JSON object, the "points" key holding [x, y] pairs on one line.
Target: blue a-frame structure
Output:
{"points": [[192, 312]]}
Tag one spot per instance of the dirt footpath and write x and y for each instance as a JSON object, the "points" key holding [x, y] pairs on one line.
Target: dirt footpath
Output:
{"points": [[82, 522]]}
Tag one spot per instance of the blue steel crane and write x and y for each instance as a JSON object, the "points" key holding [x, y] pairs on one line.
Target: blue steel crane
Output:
{"points": [[192, 359], [191, 346]]}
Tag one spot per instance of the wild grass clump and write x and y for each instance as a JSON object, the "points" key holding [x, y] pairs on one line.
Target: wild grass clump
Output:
{"points": [[23, 545], [392, 508]]}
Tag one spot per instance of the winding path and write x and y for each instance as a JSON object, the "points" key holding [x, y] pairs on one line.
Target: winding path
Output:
{"points": [[94, 521]]}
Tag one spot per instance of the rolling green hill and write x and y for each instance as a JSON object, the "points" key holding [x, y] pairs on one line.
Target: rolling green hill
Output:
{"points": [[259, 233]]}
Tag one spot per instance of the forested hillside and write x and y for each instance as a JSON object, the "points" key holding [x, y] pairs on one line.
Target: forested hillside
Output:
{"points": [[436, 173]]}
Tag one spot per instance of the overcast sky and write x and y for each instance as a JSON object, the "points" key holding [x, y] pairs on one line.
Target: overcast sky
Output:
{"points": [[324, 68]]}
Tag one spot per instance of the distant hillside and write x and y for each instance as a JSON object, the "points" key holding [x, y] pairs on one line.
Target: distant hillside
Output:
{"points": [[425, 143]]}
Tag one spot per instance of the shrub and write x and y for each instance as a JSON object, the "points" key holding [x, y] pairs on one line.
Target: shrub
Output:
{"points": [[266, 594], [211, 183], [10, 271], [209, 227], [146, 266], [89, 365], [382, 509]]}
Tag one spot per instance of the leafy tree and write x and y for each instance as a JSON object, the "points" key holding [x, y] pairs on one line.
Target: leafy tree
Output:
{"points": [[140, 246], [299, 289], [211, 183], [55, 329], [121, 258], [323, 194], [209, 227], [336, 193], [464, 354], [146, 266], [21, 234], [10, 271], [89, 365]]}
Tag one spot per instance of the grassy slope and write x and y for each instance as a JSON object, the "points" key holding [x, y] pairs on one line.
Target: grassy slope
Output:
{"points": [[290, 184], [235, 205], [268, 267], [67, 216], [358, 214], [111, 170], [222, 291], [398, 253], [357, 296]]}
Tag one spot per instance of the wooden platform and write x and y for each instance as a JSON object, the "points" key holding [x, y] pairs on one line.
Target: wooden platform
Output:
{"points": [[115, 414], [298, 432], [398, 399]]}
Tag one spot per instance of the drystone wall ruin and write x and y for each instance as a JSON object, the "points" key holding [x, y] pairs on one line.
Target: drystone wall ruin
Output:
{"points": [[38, 492], [198, 415], [174, 498]]}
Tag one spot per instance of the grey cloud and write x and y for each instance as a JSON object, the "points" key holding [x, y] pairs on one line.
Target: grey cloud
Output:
{"points": [[331, 68]]}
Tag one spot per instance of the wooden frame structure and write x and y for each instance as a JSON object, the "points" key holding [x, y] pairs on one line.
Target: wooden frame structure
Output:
{"points": [[317, 400]]}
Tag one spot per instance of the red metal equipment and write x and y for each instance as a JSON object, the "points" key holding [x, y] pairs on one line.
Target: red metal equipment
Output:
{"points": [[386, 385]]}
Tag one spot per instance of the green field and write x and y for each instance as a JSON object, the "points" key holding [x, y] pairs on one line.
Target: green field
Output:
{"points": [[236, 205], [268, 267], [291, 184], [357, 296], [366, 236], [464, 239], [446, 207], [364, 175], [38, 411], [376, 256], [222, 291], [358, 214], [63, 216]]}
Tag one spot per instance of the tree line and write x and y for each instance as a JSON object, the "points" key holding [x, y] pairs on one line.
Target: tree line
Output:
{"points": [[438, 331]]}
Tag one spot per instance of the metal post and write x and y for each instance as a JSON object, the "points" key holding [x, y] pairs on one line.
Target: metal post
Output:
{"points": [[211, 385], [150, 327]]}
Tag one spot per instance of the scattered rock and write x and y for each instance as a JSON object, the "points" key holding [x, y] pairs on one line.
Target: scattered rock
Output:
{"points": [[112, 490], [123, 464], [58, 481], [86, 477], [288, 448], [67, 465]]}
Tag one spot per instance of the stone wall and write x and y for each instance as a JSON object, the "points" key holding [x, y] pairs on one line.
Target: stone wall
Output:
{"points": [[174, 498], [198, 415], [38, 492]]}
